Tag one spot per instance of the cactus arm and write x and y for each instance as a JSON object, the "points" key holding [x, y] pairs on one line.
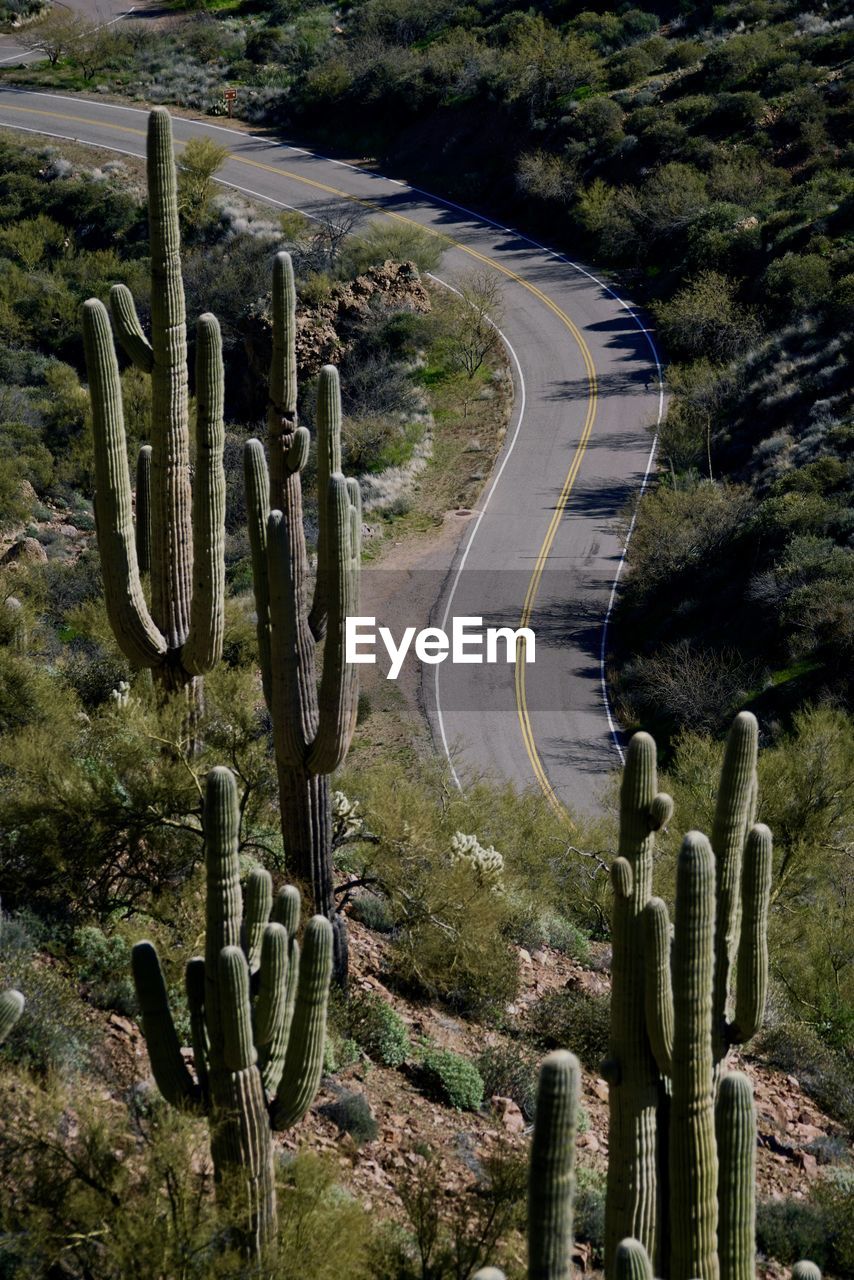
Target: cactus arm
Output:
{"points": [[339, 686], [489, 1273], [286, 908], [128, 328], [271, 1007], [257, 484], [168, 1067], [143, 509], [631, 1261], [733, 816], [294, 697], [283, 369], [238, 1046], [328, 464], [11, 1008], [693, 1150], [171, 550], [751, 988], [135, 631], [304, 1059], [194, 985], [658, 991], [242, 1136], [735, 1124], [258, 904], [551, 1184], [224, 901], [203, 648]]}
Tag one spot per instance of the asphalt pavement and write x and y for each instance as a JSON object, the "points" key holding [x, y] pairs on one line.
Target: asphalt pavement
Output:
{"points": [[543, 547]]}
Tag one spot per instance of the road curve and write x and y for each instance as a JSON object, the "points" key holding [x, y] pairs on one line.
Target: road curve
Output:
{"points": [[541, 549]]}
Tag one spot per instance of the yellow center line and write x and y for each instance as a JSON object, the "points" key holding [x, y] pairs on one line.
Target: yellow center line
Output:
{"points": [[568, 484]]}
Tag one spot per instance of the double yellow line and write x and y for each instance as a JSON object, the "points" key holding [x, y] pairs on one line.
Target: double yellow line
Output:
{"points": [[568, 484]]}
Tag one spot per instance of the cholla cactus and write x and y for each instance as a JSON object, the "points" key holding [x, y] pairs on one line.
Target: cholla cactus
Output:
{"points": [[120, 696], [347, 821], [257, 1017], [487, 864]]}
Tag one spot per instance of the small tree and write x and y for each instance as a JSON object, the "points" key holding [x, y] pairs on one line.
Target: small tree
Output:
{"points": [[200, 162], [474, 316], [53, 35]]}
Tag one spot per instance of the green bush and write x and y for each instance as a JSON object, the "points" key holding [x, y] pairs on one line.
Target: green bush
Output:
{"points": [[378, 1029], [399, 242], [451, 1079], [511, 1071], [788, 1230], [53, 1036], [352, 1114], [102, 965], [573, 1019]]}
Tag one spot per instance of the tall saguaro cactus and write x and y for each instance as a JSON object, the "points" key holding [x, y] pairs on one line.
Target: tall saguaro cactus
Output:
{"points": [[551, 1181], [312, 728], [179, 539], [645, 999], [257, 1014], [633, 1205]]}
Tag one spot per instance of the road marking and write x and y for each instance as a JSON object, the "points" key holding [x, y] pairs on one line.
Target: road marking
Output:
{"points": [[523, 397], [26, 53], [534, 583]]}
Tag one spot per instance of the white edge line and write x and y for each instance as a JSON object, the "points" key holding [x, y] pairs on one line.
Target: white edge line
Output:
{"points": [[481, 513], [537, 244]]}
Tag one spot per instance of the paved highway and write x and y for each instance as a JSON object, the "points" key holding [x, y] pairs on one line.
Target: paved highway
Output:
{"points": [[541, 549]]}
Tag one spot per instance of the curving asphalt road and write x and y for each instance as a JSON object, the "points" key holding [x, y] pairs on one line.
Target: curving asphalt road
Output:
{"points": [[541, 548]]}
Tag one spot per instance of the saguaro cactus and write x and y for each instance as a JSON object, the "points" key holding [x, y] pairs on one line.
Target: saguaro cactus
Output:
{"points": [[693, 1151], [551, 1182], [256, 1065], [635, 1092], [735, 1128], [180, 637], [642, 999], [311, 730]]}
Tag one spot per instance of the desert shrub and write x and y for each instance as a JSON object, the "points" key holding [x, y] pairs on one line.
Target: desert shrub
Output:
{"points": [[823, 1073], [372, 910], [788, 1230], [451, 1079], [398, 242], [378, 1029], [706, 319], [450, 1237], [681, 528], [799, 282], [576, 1020], [590, 1211], [511, 1071], [697, 689], [352, 1114], [102, 964], [54, 1035], [104, 1192], [532, 926]]}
